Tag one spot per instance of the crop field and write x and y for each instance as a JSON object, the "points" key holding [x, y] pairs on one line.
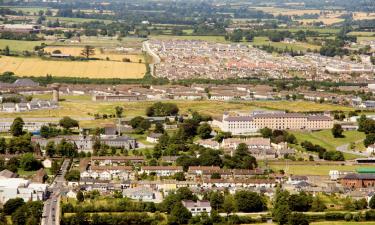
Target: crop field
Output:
{"points": [[363, 16], [91, 69], [101, 54], [287, 12], [299, 46]]}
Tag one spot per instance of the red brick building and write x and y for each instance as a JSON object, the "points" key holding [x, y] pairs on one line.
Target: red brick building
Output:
{"points": [[353, 180]]}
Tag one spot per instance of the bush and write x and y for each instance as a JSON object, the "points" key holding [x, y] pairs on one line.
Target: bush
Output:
{"points": [[332, 216], [348, 217]]}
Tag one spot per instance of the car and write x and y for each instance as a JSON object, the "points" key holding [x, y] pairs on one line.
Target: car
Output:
{"points": [[54, 200]]}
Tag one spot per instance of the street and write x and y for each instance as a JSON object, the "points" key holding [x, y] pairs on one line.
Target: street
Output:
{"points": [[51, 209]]}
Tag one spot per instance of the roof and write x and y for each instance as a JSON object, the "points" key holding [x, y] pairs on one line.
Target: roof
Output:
{"points": [[7, 174], [25, 83], [365, 170], [192, 204], [162, 168], [354, 176]]}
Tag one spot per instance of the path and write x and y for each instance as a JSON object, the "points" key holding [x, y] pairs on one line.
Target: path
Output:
{"points": [[155, 57], [345, 149]]}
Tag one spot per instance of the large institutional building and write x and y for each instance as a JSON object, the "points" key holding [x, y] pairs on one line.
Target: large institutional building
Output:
{"points": [[250, 123]]}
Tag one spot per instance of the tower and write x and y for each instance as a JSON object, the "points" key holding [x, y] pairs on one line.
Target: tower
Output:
{"points": [[55, 92]]}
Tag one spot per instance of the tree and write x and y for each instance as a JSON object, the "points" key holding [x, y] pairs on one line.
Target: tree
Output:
{"points": [[297, 219], [281, 211], [88, 51], [229, 204], [266, 132], [119, 110], [6, 51], [179, 176], [3, 145], [17, 127], [204, 131], [369, 140], [185, 193], [29, 163], [72, 175], [372, 203], [248, 201], [215, 176], [159, 128], [80, 196], [180, 214], [68, 123], [50, 148], [337, 131], [12, 205], [55, 167], [318, 205], [216, 200]]}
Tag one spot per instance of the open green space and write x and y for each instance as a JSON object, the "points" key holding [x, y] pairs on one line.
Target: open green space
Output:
{"points": [[298, 46], [219, 39], [15, 45], [311, 168], [325, 139], [331, 223]]}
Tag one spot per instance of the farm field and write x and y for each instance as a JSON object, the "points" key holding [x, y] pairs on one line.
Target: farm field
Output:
{"points": [[76, 51], [299, 46], [91, 69], [298, 106], [311, 168], [287, 12], [15, 45], [325, 138]]}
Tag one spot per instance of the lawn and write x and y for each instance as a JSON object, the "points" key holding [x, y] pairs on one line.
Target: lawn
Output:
{"points": [[20, 46], [299, 46], [92, 69], [325, 138], [311, 168], [299, 106]]}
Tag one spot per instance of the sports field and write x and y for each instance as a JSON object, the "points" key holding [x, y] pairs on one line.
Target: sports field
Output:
{"points": [[91, 69], [15, 45]]}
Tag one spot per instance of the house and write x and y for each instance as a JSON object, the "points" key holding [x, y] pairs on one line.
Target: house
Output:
{"points": [[9, 107], [140, 193], [4, 174], [209, 143], [21, 107], [371, 149], [153, 137], [294, 179], [161, 170], [47, 163], [198, 207]]}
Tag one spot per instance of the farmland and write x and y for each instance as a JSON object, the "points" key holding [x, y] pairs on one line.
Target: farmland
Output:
{"points": [[298, 106], [99, 53], [299, 46], [92, 69]]}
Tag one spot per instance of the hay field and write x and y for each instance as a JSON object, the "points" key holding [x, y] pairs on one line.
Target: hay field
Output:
{"points": [[76, 51], [363, 16], [90, 69]]}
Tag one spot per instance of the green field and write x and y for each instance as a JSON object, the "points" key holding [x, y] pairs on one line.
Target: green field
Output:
{"points": [[331, 223], [325, 138], [299, 46], [299, 106], [311, 168], [20, 46], [219, 39]]}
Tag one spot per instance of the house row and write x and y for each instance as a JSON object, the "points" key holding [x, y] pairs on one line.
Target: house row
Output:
{"points": [[29, 106]]}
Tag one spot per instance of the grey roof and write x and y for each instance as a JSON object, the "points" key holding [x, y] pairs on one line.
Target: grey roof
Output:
{"points": [[25, 83], [239, 118], [7, 174], [354, 176]]}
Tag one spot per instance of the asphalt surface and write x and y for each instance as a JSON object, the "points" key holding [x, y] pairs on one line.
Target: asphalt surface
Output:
{"points": [[51, 209]]}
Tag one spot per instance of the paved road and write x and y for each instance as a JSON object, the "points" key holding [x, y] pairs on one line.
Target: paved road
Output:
{"points": [[345, 149], [51, 209], [155, 57]]}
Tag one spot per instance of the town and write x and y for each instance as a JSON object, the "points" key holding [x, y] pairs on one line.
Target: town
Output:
{"points": [[187, 112]]}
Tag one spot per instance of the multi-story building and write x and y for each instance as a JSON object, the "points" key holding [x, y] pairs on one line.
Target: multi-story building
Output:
{"points": [[21, 188], [161, 170], [242, 124]]}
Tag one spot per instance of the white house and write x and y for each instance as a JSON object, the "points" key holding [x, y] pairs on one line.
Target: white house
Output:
{"points": [[47, 163], [161, 170], [140, 193], [153, 137], [198, 207]]}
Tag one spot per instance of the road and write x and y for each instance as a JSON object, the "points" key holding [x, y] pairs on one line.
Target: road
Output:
{"points": [[345, 149], [155, 57], [51, 209]]}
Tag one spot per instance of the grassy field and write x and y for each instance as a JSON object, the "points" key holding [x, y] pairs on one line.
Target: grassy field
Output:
{"points": [[99, 53], [299, 46], [311, 168], [325, 139], [330, 223], [20, 45], [298, 106], [219, 39], [91, 69]]}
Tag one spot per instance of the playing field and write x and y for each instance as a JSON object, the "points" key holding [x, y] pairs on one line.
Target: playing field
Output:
{"points": [[20, 46], [298, 106], [99, 53], [91, 69]]}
